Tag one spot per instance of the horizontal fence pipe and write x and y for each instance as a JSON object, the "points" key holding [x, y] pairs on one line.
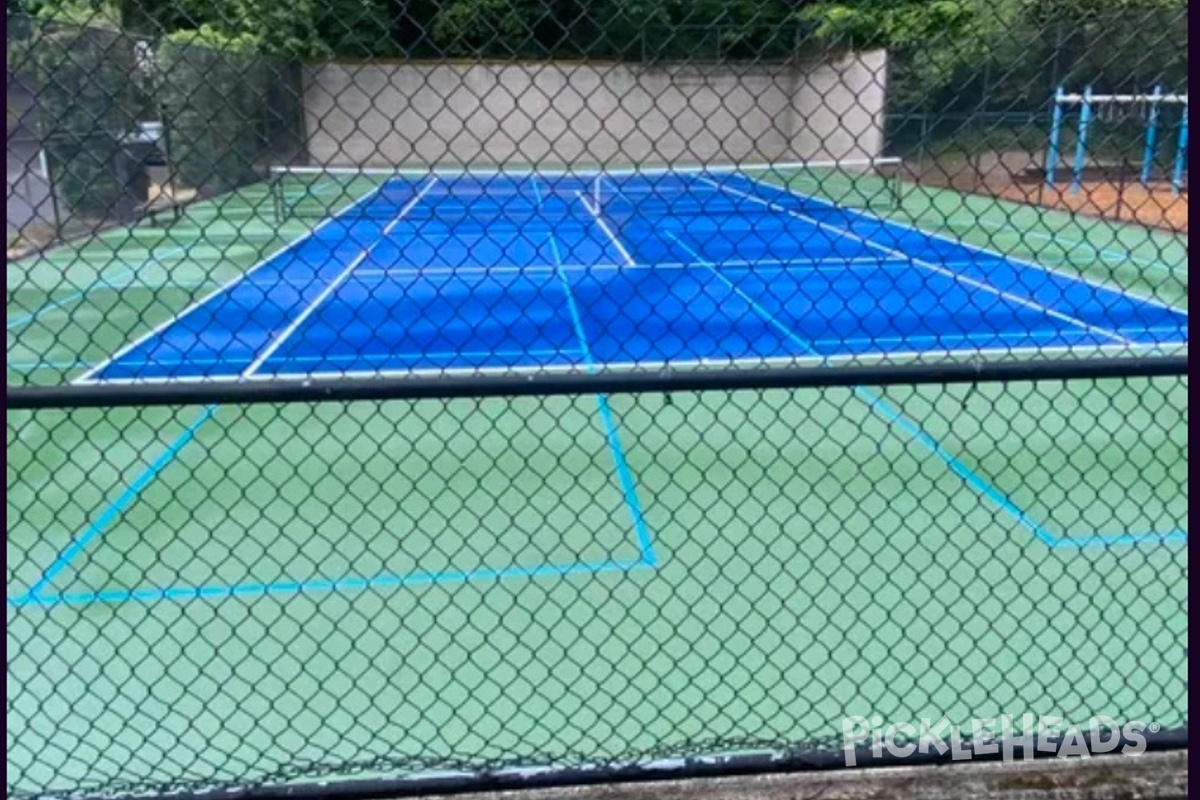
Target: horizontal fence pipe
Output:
{"points": [[1123, 98], [279, 390]]}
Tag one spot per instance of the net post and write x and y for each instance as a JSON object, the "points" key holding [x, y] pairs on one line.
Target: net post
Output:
{"points": [[1180, 153], [1085, 119], [1151, 134]]}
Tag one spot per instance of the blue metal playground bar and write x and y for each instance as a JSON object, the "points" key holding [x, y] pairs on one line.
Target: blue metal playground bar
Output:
{"points": [[1151, 134], [1087, 101], [1085, 122], [1180, 153]]}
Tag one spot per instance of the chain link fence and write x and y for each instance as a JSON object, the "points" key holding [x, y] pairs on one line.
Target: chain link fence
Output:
{"points": [[454, 394]]}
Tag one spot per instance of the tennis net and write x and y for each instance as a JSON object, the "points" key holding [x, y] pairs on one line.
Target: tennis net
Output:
{"points": [[530, 197]]}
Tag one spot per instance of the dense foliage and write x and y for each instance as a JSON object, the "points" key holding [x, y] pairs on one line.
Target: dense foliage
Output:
{"points": [[958, 29], [87, 99], [955, 57], [212, 97]]}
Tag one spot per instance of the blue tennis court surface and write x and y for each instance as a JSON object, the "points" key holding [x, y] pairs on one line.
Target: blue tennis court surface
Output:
{"points": [[505, 271]]}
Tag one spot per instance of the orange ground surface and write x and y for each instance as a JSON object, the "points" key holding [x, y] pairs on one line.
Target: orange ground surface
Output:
{"points": [[1153, 205]]}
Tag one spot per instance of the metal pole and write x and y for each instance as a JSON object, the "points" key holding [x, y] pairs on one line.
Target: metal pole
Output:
{"points": [[1151, 136], [925, 152], [1052, 154], [1085, 119], [1121, 185], [1180, 154]]}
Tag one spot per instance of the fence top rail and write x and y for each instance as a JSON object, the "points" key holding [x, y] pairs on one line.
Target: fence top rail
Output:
{"points": [[1123, 98]]}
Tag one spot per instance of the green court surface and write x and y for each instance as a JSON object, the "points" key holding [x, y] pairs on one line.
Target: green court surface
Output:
{"points": [[418, 584]]}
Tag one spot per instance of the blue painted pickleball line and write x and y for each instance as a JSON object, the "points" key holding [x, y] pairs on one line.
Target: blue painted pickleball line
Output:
{"points": [[628, 486], [127, 496], [36, 595], [112, 282], [131, 493], [323, 585], [913, 430], [116, 281], [1057, 238], [916, 433]]}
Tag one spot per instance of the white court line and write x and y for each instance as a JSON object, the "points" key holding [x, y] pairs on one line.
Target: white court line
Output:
{"points": [[919, 356], [818, 265], [1068, 244], [542, 353], [87, 377], [838, 231], [435, 355], [335, 283], [774, 265], [771, 266], [783, 264], [1079, 278], [497, 231], [607, 230], [416, 272], [412, 356], [524, 171]]}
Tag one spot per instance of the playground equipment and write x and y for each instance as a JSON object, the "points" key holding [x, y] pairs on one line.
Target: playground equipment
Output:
{"points": [[1151, 105]]}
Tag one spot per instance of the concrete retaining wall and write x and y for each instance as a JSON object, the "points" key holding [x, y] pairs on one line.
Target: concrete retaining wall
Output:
{"points": [[589, 113]]}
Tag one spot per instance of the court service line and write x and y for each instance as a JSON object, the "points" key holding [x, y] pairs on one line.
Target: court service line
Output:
{"points": [[844, 232], [918, 434], [624, 475], [335, 283], [222, 288], [607, 230], [1078, 278], [765, 264], [417, 272]]}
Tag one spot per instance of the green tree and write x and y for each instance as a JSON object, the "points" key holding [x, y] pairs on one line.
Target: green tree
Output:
{"points": [[87, 103], [354, 28], [488, 27], [211, 95]]}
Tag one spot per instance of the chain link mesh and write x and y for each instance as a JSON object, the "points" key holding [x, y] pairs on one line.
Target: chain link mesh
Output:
{"points": [[229, 589]]}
